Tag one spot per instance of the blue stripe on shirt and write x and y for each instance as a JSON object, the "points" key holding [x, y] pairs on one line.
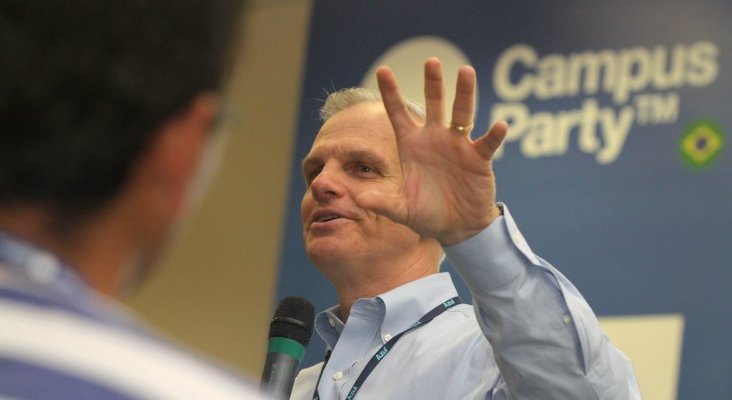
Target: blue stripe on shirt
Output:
{"points": [[24, 380]]}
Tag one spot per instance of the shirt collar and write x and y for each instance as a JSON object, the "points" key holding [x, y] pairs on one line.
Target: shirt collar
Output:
{"points": [[40, 277], [329, 326], [398, 308], [40, 266]]}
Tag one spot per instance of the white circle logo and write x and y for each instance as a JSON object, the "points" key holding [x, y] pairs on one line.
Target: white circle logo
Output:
{"points": [[407, 58]]}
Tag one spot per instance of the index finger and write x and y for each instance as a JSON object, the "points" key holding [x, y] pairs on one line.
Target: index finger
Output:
{"points": [[396, 107]]}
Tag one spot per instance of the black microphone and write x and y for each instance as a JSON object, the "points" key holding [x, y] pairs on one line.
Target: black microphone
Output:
{"points": [[289, 334]]}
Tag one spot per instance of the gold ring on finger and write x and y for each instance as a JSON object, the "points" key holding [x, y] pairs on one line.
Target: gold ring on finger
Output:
{"points": [[461, 128]]}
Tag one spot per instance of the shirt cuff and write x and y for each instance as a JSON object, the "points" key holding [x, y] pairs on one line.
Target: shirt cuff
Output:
{"points": [[494, 256]]}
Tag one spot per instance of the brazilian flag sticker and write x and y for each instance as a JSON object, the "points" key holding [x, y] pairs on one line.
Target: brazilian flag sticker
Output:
{"points": [[701, 144]]}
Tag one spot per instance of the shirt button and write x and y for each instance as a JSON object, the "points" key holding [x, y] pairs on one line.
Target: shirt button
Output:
{"points": [[338, 375], [567, 319], [331, 322], [387, 337]]}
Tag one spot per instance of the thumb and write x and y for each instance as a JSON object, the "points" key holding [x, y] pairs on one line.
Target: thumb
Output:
{"points": [[388, 205]]}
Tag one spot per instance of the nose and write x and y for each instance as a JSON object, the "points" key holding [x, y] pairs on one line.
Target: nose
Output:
{"points": [[326, 185]]}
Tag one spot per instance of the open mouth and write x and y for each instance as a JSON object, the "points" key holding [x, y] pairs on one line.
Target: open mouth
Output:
{"points": [[326, 218]]}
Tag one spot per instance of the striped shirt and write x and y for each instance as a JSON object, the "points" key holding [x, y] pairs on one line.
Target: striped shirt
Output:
{"points": [[59, 339]]}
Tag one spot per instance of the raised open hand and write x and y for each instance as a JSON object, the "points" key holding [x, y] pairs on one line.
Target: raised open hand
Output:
{"points": [[448, 187]]}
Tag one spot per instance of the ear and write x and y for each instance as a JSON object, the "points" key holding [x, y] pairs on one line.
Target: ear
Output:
{"points": [[174, 155]]}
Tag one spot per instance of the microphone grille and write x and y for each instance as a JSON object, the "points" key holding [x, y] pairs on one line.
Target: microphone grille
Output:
{"points": [[293, 319]]}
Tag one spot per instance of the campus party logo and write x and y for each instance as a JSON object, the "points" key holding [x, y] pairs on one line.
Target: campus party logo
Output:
{"points": [[618, 89]]}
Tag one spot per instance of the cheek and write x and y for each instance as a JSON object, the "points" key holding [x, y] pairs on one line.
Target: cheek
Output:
{"points": [[396, 233], [306, 206], [384, 228]]}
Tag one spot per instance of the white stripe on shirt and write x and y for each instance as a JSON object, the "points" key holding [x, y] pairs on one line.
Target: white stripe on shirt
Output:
{"points": [[130, 362]]}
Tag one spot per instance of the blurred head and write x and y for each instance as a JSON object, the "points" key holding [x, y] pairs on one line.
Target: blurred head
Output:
{"points": [[106, 108], [85, 85], [355, 151]]}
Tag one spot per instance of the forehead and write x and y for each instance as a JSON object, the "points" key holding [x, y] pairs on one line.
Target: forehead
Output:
{"points": [[362, 125]]}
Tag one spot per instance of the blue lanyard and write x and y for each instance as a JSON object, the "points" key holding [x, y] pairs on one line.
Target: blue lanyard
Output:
{"points": [[383, 351]]}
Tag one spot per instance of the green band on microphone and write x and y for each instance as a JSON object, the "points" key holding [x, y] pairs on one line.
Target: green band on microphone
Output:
{"points": [[286, 346]]}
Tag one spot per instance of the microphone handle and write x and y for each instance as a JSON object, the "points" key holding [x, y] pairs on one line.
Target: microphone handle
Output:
{"points": [[280, 369]]}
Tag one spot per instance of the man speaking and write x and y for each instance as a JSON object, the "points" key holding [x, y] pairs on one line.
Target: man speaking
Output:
{"points": [[391, 189]]}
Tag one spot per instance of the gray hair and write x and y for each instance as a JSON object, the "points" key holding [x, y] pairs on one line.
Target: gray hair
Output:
{"points": [[340, 100]]}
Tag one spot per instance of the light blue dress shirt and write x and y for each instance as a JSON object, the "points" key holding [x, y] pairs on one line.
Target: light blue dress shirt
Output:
{"points": [[529, 335]]}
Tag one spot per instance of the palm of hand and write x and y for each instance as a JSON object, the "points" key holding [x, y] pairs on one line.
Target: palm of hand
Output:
{"points": [[448, 187]]}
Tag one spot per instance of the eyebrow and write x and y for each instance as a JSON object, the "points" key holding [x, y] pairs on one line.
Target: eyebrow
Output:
{"points": [[366, 156]]}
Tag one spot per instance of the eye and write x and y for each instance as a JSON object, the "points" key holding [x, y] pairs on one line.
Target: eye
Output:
{"points": [[365, 170], [310, 174]]}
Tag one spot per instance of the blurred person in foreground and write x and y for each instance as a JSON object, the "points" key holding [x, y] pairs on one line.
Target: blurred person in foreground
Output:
{"points": [[107, 110], [391, 189]]}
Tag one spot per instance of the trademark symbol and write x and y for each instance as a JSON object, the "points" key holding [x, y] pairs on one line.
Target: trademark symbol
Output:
{"points": [[656, 109]]}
